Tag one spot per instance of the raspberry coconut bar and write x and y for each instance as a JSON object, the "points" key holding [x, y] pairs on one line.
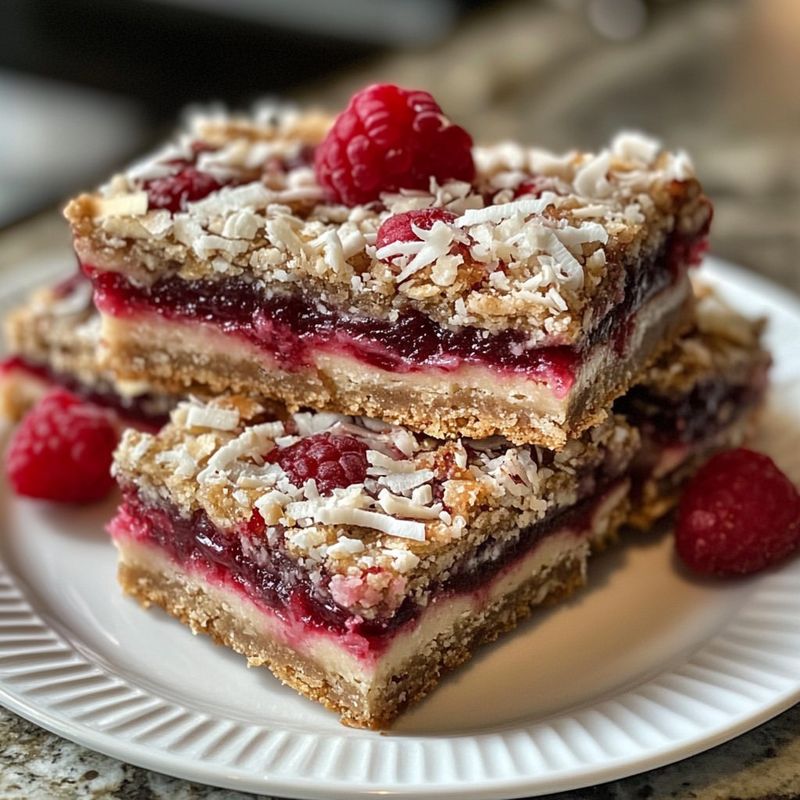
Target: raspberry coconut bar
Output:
{"points": [[701, 397], [355, 559], [378, 265], [54, 339]]}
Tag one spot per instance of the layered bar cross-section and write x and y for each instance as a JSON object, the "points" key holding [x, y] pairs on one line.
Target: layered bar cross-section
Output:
{"points": [[53, 341], [520, 304], [357, 560], [702, 396]]}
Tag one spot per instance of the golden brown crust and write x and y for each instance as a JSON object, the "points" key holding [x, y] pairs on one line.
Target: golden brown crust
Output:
{"points": [[723, 344], [56, 332], [378, 708], [62, 333]]}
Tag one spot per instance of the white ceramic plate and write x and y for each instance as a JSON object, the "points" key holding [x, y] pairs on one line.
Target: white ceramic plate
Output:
{"points": [[644, 667]]}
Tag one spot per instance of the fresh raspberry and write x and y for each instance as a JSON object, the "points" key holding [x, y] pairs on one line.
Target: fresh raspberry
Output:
{"points": [[173, 192], [398, 228], [62, 451], [535, 186], [390, 138], [739, 514], [334, 461]]}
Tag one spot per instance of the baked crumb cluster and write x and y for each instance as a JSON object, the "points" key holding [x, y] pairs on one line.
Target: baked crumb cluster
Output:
{"points": [[423, 505], [539, 242]]}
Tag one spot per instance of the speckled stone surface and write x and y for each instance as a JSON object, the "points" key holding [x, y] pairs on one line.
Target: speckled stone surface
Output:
{"points": [[717, 77]]}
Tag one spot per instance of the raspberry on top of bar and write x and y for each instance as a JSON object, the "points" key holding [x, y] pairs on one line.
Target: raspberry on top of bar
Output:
{"points": [[372, 513]]}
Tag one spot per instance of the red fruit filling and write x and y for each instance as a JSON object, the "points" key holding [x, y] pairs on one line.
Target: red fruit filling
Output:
{"points": [[291, 328], [698, 415], [390, 138], [173, 192], [276, 580], [62, 451], [738, 515], [333, 461]]}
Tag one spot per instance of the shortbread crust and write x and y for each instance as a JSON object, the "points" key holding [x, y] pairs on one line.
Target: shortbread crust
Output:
{"points": [[369, 690], [210, 610]]}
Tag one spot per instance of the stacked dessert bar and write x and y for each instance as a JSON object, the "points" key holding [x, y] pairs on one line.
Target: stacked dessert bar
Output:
{"points": [[419, 378], [54, 342]]}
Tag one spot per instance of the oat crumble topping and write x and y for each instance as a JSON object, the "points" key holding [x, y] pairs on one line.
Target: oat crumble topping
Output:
{"points": [[423, 504], [547, 262]]}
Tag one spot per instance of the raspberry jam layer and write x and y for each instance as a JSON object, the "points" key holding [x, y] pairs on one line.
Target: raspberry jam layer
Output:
{"points": [[709, 407], [144, 410], [293, 328], [274, 580]]}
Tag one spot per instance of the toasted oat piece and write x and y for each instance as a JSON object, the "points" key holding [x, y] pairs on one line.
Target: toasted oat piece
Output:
{"points": [[538, 294], [357, 560]]}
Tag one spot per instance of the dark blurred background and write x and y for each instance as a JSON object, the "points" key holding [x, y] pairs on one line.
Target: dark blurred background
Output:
{"points": [[86, 84]]}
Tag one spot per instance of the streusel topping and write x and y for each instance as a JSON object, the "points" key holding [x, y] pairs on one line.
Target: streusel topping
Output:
{"points": [[537, 239]]}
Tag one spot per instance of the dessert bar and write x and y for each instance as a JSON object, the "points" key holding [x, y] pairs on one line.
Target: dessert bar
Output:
{"points": [[701, 397], [357, 560], [360, 561], [520, 300], [54, 339]]}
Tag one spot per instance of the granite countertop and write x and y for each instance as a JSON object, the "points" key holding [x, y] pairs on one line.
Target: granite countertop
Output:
{"points": [[718, 78]]}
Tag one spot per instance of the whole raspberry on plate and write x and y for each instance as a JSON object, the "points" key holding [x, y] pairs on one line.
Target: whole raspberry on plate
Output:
{"points": [[62, 451], [390, 138], [334, 461], [738, 515]]}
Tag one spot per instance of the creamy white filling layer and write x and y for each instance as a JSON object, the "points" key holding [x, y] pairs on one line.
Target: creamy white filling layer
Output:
{"points": [[348, 655]]}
